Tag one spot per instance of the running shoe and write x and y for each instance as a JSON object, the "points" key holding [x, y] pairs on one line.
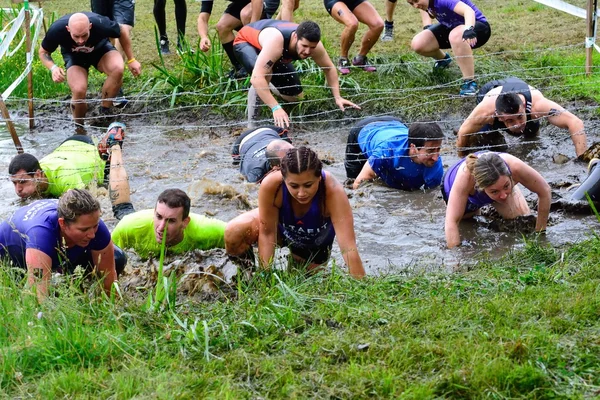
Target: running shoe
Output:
{"points": [[363, 62], [115, 134], [388, 33], [443, 63], [237, 74], [468, 88], [120, 101], [164, 46], [344, 66]]}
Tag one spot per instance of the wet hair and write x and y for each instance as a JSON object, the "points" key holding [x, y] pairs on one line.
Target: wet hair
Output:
{"points": [[273, 149], [508, 103], [421, 132], [309, 30], [487, 168], [175, 198], [76, 202], [299, 160], [25, 162]]}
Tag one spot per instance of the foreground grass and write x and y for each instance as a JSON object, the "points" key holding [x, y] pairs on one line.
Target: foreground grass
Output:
{"points": [[525, 326]]}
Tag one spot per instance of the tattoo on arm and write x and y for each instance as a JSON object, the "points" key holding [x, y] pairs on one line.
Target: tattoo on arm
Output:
{"points": [[113, 195], [554, 112], [269, 65], [48, 57]]}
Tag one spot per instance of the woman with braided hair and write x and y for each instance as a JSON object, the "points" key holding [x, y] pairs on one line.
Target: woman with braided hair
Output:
{"points": [[491, 178], [301, 207]]}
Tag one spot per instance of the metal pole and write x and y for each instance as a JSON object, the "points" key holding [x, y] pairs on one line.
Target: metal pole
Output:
{"points": [[29, 60], [10, 126], [589, 40]]}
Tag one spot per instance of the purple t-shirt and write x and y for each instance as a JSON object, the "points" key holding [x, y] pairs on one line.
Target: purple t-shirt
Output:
{"points": [[35, 226], [444, 12]]}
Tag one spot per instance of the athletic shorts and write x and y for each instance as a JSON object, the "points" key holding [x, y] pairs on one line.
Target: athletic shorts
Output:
{"points": [[442, 34], [270, 8], [316, 255], [355, 158], [122, 209], [120, 11], [285, 77], [234, 8], [351, 4], [86, 60]]}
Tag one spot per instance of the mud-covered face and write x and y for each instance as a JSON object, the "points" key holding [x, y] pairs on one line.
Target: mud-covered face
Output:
{"points": [[172, 219], [81, 231], [514, 122], [26, 184], [428, 154], [303, 186], [501, 189]]}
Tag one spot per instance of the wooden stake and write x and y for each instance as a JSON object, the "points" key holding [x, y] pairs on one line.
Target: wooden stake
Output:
{"points": [[30, 59], [589, 48], [10, 126]]}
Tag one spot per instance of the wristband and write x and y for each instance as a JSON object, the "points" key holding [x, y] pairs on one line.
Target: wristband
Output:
{"points": [[52, 68], [131, 61], [275, 108]]}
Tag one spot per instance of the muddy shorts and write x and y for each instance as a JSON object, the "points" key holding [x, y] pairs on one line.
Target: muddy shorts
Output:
{"points": [[122, 209], [120, 11], [86, 60], [442, 34], [285, 77], [316, 255], [351, 4], [355, 158]]}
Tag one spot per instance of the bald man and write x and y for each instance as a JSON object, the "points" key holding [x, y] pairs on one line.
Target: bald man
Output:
{"points": [[84, 42], [259, 151]]}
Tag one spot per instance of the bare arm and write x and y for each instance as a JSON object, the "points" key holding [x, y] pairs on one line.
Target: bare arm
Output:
{"points": [[322, 60], [455, 209], [564, 119], [343, 223], [134, 66], [466, 11], [366, 173], [268, 218], [480, 116], [425, 18], [58, 74], [257, 10], [532, 180], [104, 260], [39, 271], [203, 19]]}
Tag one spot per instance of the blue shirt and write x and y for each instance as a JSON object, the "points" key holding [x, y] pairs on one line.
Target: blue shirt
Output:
{"points": [[385, 144], [35, 226]]}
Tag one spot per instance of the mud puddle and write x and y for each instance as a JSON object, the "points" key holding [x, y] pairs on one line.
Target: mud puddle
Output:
{"points": [[396, 231]]}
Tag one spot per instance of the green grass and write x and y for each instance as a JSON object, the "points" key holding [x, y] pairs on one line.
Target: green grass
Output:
{"points": [[525, 326]]}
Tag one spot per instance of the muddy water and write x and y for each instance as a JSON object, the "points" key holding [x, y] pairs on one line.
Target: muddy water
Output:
{"points": [[395, 230]]}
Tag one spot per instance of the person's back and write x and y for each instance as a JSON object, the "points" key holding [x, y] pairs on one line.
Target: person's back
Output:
{"points": [[136, 231]]}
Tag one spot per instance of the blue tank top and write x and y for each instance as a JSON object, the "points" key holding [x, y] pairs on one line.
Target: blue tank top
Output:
{"points": [[311, 229], [475, 201]]}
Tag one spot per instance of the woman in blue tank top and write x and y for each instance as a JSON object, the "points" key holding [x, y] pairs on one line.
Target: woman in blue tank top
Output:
{"points": [[491, 178], [301, 207]]}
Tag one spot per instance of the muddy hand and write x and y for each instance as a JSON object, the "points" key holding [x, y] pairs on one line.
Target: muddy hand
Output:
{"points": [[281, 118]]}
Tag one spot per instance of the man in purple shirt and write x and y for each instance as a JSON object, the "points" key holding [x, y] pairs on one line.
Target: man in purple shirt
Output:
{"points": [[462, 27]]}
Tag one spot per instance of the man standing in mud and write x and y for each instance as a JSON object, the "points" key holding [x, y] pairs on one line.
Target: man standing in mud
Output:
{"points": [[266, 49], [402, 157], [84, 41], [511, 105], [258, 151], [170, 220]]}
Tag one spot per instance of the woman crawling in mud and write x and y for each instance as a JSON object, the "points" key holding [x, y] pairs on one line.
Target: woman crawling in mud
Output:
{"points": [[301, 207], [491, 178]]}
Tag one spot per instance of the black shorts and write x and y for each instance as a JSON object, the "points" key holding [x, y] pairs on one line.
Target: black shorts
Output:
{"points": [[442, 33], [351, 4], [355, 158], [120, 11], [270, 8], [234, 8], [285, 77], [316, 255], [86, 60], [122, 209]]}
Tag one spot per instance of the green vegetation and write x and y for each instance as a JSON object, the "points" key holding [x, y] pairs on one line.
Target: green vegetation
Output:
{"points": [[524, 326]]}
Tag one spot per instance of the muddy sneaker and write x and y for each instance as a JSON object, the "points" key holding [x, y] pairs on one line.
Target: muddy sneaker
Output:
{"points": [[120, 101], [237, 74], [115, 134], [344, 66], [164, 46], [468, 88], [388, 33], [363, 62], [443, 63]]}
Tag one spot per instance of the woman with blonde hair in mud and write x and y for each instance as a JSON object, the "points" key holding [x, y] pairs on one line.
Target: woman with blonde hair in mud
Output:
{"points": [[301, 207], [491, 178]]}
